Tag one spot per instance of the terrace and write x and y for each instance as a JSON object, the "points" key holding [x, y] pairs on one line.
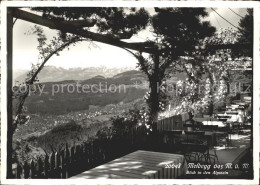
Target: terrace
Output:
{"points": [[180, 143]]}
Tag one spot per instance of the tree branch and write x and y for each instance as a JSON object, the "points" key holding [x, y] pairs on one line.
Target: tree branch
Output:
{"points": [[107, 39], [141, 61], [73, 40], [32, 79]]}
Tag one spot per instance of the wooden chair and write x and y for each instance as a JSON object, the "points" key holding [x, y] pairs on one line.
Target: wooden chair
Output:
{"points": [[195, 146], [209, 127], [224, 136]]}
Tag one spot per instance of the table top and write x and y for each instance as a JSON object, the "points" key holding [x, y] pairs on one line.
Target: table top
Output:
{"points": [[218, 123], [224, 115], [206, 133], [197, 119], [139, 165], [241, 103], [210, 136]]}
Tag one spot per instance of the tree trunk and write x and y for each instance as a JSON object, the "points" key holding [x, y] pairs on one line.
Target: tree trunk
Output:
{"points": [[154, 109], [155, 83]]}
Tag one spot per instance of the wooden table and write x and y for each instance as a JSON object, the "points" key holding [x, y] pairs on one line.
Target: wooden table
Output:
{"points": [[139, 165], [197, 119], [209, 136], [218, 123]]}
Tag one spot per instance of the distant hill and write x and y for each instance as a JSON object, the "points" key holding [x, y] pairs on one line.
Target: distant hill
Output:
{"points": [[67, 100], [19, 74], [55, 74]]}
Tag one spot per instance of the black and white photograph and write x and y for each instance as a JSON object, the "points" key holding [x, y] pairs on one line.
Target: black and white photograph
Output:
{"points": [[110, 91]]}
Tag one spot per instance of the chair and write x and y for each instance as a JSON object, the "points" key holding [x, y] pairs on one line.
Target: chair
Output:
{"points": [[195, 146], [172, 139], [209, 127], [188, 126], [195, 151], [176, 132], [222, 119], [197, 133], [224, 136]]}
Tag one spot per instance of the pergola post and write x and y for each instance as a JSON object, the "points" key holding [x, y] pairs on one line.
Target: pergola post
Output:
{"points": [[9, 91]]}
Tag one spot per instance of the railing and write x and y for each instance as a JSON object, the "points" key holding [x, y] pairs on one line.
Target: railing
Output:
{"points": [[79, 158], [173, 123]]}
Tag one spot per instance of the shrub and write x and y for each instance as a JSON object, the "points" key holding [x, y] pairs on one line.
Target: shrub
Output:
{"points": [[122, 124], [59, 136]]}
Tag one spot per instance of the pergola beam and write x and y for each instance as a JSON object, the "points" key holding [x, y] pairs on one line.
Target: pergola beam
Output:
{"points": [[65, 27]]}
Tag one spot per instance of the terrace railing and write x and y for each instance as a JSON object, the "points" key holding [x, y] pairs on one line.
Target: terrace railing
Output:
{"points": [[173, 123]]}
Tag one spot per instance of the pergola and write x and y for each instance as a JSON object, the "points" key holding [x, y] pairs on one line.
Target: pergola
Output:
{"points": [[74, 27]]}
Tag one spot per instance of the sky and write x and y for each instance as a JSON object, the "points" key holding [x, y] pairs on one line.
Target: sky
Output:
{"points": [[97, 54]]}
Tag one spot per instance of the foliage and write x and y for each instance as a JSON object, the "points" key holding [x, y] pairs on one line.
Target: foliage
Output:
{"points": [[104, 133], [200, 95], [59, 136], [123, 123], [111, 20], [247, 30], [180, 30]]}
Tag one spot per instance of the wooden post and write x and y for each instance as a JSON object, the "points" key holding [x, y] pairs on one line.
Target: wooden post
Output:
{"points": [[39, 168], [57, 165], [46, 166], [32, 169], [52, 165], [9, 92], [26, 170], [62, 165], [72, 161], [87, 154], [66, 162], [18, 171]]}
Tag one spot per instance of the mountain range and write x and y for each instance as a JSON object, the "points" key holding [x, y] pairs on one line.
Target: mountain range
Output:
{"points": [[56, 74]]}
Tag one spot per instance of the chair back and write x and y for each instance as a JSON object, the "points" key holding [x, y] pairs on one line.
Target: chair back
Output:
{"points": [[176, 132], [196, 133], [209, 127]]}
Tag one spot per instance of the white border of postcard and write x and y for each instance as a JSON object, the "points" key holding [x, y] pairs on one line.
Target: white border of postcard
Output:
{"points": [[231, 4]]}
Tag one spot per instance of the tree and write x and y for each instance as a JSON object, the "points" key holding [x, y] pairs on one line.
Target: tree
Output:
{"points": [[177, 31], [119, 23], [246, 29]]}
